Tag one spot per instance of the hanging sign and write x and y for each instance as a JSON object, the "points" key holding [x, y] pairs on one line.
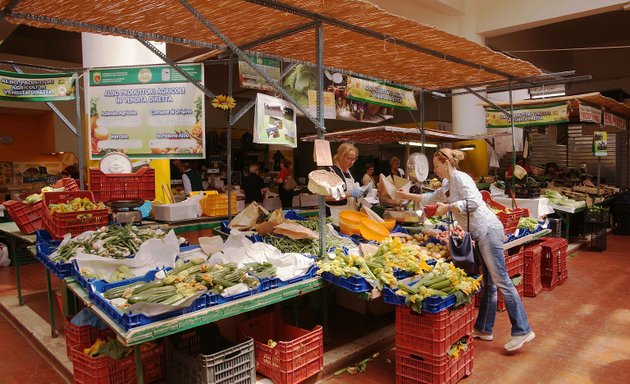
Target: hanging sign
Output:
{"points": [[36, 87], [249, 78], [301, 84], [529, 116], [274, 121], [146, 112], [600, 143], [614, 121], [380, 94], [590, 114]]}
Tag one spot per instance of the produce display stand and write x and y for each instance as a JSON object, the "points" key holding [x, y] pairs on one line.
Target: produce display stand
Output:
{"points": [[567, 213]]}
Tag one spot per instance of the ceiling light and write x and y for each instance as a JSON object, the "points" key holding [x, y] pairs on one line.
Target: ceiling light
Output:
{"points": [[417, 144], [467, 147], [543, 96]]}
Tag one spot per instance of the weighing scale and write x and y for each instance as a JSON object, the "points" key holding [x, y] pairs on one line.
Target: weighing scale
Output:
{"points": [[123, 211], [418, 170]]}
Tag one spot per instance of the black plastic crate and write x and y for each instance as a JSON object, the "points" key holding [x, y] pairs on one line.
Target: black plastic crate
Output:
{"points": [[621, 225], [555, 224], [598, 234], [597, 215]]}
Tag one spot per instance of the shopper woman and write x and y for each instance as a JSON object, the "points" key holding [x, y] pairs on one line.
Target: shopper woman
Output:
{"points": [[286, 195], [459, 192], [394, 168], [344, 160]]}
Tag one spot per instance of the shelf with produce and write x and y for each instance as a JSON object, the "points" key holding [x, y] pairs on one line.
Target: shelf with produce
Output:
{"points": [[159, 329]]}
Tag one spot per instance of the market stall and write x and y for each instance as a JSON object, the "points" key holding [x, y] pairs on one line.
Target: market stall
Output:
{"points": [[582, 131], [419, 61]]}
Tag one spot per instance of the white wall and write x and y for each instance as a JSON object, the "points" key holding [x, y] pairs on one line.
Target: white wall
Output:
{"points": [[495, 17]]}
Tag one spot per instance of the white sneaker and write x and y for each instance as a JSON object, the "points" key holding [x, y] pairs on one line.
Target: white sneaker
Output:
{"points": [[517, 342], [482, 336]]}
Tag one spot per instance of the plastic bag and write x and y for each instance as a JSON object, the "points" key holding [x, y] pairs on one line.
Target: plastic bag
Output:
{"points": [[4, 256], [86, 317]]}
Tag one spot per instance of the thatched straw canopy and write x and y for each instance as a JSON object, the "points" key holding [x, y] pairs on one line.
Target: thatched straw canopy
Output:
{"points": [[358, 36]]}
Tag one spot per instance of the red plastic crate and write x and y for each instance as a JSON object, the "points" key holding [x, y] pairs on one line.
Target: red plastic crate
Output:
{"points": [[563, 277], [514, 261], [501, 304], [432, 334], [75, 223], [105, 370], [68, 184], [532, 277], [81, 337], [27, 217], [139, 185], [298, 354], [509, 220], [413, 368]]}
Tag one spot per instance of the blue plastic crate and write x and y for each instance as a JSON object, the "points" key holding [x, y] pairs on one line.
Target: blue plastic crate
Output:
{"points": [[129, 320], [226, 299], [45, 246], [353, 283], [312, 272], [432, 304], [390, 297], [292, 215]]}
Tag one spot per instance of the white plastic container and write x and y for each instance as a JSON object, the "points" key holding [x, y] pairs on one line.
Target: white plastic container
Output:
{"points": [[175, 212]]}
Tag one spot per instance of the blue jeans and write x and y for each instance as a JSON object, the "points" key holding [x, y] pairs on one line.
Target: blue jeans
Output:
{"points": [[496, 276]]}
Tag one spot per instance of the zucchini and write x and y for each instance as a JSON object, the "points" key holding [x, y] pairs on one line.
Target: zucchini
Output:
{"points": [[117, 292], [149, 285], [172, 299], [153, 295]]}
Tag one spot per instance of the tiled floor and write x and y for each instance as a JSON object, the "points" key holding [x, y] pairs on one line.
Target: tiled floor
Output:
{"points": [[582, 327]]}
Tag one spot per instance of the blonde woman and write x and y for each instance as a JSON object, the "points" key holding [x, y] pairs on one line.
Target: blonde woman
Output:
{"points": [[459, 194], [343, 160]]}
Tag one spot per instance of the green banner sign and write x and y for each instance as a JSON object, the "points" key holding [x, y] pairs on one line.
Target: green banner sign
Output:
{"points": [[146, 112], [380, 94], [529, 116], [36, 87]]}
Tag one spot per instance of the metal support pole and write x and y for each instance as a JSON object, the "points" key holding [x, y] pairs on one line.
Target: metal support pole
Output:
{"points": [[599, 170], [229, 137], [51, 309], [176, 67], [77, 101], [16, 262], [138, 358], [320, 128], [422, 135], [319, 35], [241, 55]]}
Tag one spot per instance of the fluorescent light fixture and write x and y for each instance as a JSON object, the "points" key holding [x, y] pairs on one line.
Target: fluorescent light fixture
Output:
{"points": [[467, 147], [417, 144], [438, 94], [544, 96]]}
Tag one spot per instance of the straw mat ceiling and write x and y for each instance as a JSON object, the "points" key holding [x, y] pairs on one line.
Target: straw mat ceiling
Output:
{"points": [[358, 36]]}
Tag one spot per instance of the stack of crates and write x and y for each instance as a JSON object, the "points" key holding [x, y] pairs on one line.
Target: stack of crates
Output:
{"points": [[203, 356], [297, 355], [423, 341], [553, 266], [532, 278], [217, 205], [596, 220]]}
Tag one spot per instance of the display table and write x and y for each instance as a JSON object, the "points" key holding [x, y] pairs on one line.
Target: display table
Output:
{"points": [[526, 239], [142, 334], [537, 207]]}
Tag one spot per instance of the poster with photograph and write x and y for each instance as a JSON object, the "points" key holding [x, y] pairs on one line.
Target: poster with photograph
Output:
{"points": [[367, 101], [274, 122], [600, 143], [149, 111]]}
